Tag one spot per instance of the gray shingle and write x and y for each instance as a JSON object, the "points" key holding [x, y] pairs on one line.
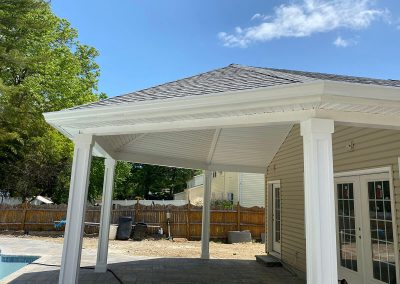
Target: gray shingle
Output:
{"points": [[231, 78]]}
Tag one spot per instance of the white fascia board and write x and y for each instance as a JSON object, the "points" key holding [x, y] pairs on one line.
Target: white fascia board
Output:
{"points": [[362, 91], [225, 101], [358, 119]]}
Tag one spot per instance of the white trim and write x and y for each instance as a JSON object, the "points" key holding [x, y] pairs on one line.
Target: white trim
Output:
{"points": [[180, 104], [213, 145], [398, 161], [394, 221], [105, 217], [72, 248], [363, 172], [319, 201], [325, 99], [205, 220], [288, 92], [269, 208]]}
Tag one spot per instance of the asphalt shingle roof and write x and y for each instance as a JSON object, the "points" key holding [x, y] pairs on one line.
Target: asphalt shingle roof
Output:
{"points": [[231, 78]]}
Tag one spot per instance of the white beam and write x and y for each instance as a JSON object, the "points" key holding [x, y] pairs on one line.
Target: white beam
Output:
{"points": [[131, 141], [108, 185], [104, 147], [319, 201], [213, 145], [229, 121], [144, 158], [71, 256], [205, 223]]}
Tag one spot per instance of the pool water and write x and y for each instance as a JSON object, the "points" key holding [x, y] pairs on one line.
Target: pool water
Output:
{"points": [[11, 263]]}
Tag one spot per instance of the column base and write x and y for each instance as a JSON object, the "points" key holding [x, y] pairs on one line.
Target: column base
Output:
{"points": [[205, 256], [100, 268]]}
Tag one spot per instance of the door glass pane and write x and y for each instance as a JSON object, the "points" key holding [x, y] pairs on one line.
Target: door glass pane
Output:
{"points": [[347, 227], [277, 209], [382, 244]]}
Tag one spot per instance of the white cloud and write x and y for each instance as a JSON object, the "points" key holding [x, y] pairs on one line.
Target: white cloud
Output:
{"points": [[341, 42], [301, 19]]}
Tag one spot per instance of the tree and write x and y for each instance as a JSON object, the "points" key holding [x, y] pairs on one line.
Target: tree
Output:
{"points": [[158, 182], [43, 67], [123, 187]]}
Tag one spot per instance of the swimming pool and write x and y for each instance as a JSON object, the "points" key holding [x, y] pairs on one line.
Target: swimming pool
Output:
{"points": [[11, 263]]}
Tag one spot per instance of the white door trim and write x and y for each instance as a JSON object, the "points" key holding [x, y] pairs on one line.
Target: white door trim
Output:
{"points": [[387, 170], [380, 170], [269, 212]]}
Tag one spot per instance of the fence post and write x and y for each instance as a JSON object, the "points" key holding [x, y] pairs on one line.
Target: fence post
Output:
{"points": [[188, 221], [24, 214], [137, 211], [238, 215]]}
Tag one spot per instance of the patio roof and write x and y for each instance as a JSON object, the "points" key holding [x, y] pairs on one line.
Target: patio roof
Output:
{"points": [[233, 119]]}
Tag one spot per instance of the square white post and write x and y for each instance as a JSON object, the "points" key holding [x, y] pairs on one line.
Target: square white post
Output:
{"points": [[71, 256], [319, 201], [108, 185], [205, 224]]}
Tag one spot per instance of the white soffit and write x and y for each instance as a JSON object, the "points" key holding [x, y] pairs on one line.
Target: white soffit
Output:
{"points": [[247, 149]]}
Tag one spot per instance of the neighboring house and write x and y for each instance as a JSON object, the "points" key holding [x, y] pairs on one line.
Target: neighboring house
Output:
{"points": [[38, 200], [41, 200], [10, 200], [246, 188]]}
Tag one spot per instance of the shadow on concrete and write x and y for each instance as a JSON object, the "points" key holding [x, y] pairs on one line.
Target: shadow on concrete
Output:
{"points": [[171, 270]]}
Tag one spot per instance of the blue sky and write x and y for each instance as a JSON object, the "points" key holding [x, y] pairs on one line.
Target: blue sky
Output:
{"points": [[143, 42]]}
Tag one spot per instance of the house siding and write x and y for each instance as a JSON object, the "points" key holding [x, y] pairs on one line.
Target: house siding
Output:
{"points": [[372, 148], [251, 190]]}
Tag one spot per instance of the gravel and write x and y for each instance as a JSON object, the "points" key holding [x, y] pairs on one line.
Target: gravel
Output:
{"points": [[166, 248]]}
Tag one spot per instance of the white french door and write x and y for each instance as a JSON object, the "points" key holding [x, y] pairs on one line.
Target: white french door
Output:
{"points": [[276, 218], [366, 247]]}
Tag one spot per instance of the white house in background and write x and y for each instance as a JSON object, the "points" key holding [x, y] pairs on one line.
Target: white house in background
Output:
{"points": [[41, 200], [246, 188]]}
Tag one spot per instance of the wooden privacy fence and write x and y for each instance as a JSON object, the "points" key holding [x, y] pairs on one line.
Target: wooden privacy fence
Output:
{"points": [[185, 220]]}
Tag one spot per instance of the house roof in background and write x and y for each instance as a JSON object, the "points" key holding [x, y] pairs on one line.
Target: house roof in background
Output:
{"points": [[233, 77]]}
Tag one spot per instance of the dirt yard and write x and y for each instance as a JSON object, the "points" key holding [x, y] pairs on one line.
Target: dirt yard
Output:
{"points": [[165, 248]]}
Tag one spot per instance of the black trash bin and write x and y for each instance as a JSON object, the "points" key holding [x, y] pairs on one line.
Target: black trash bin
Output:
{"points": [[124, 228], [139, 232]]}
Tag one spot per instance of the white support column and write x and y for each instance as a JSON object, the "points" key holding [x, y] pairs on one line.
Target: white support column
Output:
{"points": [[205, 224], [108, 185], [319, 201], [71, 256]]}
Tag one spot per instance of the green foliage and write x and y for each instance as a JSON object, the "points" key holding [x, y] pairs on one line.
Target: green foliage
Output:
{"points": [[123, 187], [157, 182], [43, 67]]}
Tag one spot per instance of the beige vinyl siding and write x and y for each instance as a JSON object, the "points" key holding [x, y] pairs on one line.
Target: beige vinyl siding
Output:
{"points": [[287, 166], [251, 189], [372, 148]]}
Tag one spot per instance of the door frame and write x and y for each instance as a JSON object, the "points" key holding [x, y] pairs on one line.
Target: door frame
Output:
{"points": [[381, 170], [270, 247]]}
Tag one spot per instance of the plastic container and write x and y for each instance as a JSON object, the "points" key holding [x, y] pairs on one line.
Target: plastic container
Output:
{"points": [[124, 228]]}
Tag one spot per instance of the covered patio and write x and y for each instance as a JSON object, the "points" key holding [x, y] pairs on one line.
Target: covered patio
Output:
{"points": [[230, 119]]}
